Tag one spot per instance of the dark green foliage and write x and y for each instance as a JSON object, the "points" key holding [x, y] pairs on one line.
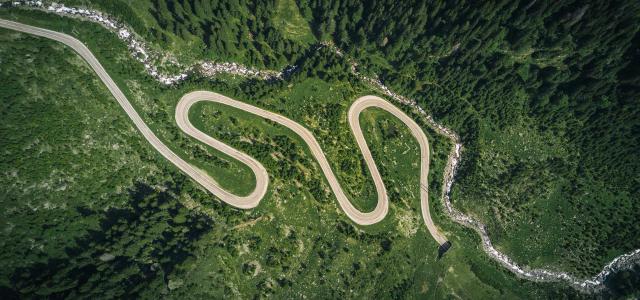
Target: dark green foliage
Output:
{"points": [[249, 32], [131, 250], [227, 28], [544, 95], [565, 69], [77, 215], [625, 284]]}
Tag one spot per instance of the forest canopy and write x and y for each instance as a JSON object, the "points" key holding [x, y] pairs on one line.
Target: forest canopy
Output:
{"points": [[544, 94]]}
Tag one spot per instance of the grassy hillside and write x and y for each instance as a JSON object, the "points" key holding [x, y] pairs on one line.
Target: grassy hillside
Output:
{"points": [[84, 199], [149, 244], [548, 124], [545, 97]]}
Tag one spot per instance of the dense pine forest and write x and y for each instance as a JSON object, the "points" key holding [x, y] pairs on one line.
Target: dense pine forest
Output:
{"points": [[566, 65], [544, 94], [260, 33], [562, 75], [567, 70]]}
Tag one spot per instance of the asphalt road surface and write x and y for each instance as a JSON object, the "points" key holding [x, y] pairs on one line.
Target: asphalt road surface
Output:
{"points": [[262, 178]]}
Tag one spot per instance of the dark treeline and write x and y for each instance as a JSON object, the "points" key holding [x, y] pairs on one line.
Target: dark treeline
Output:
{"points": [[226, 28], [568, 68], [243, 31], [582, 80], [132, 252]]}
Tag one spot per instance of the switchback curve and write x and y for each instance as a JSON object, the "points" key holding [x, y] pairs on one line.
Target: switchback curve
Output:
{"points": [[592, 284], [254, 198], [362, 103]]}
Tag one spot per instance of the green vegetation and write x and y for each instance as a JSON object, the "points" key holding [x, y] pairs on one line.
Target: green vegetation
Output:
{"points": [[295, 242], [85, 200], [545, 98], [259, 33], [542, 94], [551, 72]]}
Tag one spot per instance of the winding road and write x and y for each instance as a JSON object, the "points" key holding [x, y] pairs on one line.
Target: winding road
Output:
{"points": [[261, 175], [138, 51], [362, 103]]}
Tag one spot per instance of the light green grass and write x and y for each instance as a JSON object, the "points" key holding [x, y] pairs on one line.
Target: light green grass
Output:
{"points": [[291, 23]]}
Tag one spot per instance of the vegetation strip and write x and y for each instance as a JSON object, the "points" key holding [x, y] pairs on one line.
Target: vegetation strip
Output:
{"points": [[596, 283]]}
